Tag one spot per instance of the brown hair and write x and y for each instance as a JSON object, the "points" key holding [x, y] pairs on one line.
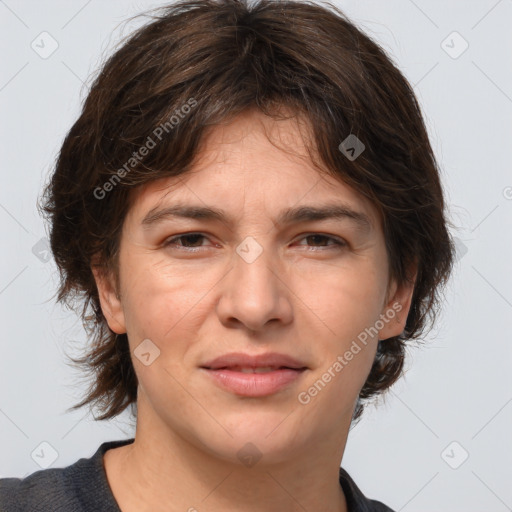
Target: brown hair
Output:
{"points": [[199, 63]]}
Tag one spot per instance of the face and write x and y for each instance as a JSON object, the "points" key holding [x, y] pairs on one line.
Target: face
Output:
{"points": [[249, 280]]}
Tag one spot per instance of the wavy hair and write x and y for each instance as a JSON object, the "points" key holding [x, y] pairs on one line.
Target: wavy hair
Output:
{"points": [[205, 62]]}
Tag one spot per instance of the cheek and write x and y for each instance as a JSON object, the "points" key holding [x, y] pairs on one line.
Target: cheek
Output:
{"points": [[167, 304], [343, 307], [167, 307], [343, 301]]}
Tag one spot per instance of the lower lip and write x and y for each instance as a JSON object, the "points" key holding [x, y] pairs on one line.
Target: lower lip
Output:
{"points": [[254, 384]]}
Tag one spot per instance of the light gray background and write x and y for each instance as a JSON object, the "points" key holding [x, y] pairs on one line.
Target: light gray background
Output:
{"points": [[459, 385]]}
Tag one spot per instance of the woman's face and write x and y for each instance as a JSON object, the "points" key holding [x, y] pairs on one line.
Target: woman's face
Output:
{"points": [[262, 276]]}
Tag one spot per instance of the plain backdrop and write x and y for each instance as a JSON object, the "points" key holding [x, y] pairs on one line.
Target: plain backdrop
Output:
{"points": [[441, 440]]}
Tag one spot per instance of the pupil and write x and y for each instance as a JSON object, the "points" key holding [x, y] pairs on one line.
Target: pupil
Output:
{"points": [[188, 237], [318, 238]]}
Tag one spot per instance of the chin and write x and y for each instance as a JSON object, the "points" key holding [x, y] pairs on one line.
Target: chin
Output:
{"points": [[250, 451], [267, 435]]}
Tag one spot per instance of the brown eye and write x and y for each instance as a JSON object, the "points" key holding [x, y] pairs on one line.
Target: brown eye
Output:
{"points": [[318, 240], [185, 241]]}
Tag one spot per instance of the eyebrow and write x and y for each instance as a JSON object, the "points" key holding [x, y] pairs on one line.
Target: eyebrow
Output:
{"points": [[305, 213]]}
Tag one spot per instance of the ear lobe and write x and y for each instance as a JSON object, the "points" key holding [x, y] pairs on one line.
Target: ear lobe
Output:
{"points": [[394, 315], [110, 301]]}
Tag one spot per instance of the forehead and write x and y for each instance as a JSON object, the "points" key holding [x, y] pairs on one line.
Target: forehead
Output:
{"points": [[252, 163]]}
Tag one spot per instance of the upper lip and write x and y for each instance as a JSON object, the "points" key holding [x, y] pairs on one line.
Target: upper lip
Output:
{"points": [[239, 359]]}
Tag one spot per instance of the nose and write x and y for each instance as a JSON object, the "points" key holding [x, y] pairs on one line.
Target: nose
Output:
{"points": [[255, 294]]}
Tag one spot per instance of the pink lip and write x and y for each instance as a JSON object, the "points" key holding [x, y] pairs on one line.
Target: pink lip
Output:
{"points": [[225, 372], [240, 359], [254, 384]]}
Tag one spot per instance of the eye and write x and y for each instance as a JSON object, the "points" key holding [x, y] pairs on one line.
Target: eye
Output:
{"points": [[186, 241], [318, 238], [192, 242]]}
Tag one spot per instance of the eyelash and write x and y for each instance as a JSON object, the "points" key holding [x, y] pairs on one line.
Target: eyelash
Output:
{"points": [[170, 242]]}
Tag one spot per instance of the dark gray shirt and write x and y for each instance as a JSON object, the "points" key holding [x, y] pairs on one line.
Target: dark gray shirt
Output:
{"points": [[83, 487]]}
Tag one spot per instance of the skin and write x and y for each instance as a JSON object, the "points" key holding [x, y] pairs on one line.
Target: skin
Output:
{"points": [[302, 296]]}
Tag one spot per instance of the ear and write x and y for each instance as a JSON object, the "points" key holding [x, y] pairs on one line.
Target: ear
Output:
{"points": [[110, 300], [397, 306]]}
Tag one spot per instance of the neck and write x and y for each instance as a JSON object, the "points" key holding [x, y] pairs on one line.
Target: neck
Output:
{"points": [[162, 470]]}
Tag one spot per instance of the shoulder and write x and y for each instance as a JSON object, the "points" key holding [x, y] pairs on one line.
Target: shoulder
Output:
{"points": [[74, 488], [35, 492], [356, 500]]}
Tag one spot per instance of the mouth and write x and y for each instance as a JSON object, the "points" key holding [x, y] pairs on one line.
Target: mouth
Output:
{"points": [[257, 369], [254, 376]]}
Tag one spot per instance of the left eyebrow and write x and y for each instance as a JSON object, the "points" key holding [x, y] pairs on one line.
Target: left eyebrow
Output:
{"points": [[305, 213]]}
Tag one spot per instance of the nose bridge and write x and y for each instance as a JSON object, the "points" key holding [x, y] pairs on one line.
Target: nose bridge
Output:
{"points": [[253, 293], [252, 264]]}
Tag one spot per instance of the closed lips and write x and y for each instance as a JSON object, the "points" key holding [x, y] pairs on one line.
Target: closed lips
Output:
{"points": [[261, 369], [238, 361], [254, 376]]}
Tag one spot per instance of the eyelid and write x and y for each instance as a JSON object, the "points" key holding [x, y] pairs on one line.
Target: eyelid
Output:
{"points": [[326, 235], [338, 241], [169, 240]]}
